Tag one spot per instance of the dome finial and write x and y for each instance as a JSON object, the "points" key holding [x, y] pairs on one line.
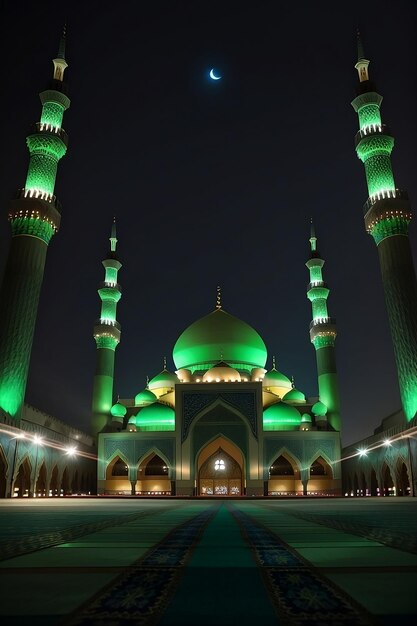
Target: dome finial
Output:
{"points": [[292, 382], [165, 362], [219, 297], [273, 362], [147, 380]]}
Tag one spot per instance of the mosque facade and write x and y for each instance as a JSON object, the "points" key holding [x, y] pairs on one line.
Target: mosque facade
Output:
{"points": [[226, 422]]}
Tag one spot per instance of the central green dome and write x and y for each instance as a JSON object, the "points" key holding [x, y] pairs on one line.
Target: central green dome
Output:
{"points": [[219, 336]]}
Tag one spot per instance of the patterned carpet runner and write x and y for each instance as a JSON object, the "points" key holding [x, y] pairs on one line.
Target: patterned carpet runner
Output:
{"points": [[221, 568]]}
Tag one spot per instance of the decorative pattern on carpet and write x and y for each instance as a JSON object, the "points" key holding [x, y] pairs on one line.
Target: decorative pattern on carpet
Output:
{"points": [[387, 536], [142, 592], [24, 545], [301, 595]]}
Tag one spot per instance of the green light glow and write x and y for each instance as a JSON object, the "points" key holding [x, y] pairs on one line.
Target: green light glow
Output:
{"points": [[369, 114], [32, 227], [324, 341], [389, 227], [52, 113], [281, 416], [155, 417], [111, 275], [316, 274], [108, 293], [108, 310], [118, 410], [41, 174], [106, 342], [319, 308], [379, 174], [216, 334]]}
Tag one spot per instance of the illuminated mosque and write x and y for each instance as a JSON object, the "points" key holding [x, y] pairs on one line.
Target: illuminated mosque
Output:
{"points": [[223, 423]]}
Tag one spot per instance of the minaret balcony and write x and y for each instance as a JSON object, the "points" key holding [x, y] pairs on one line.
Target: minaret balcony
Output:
{"points": [[37, 194], [323, 327], [389, 199], [316, 283], [371, 129], [109, 285], [49, 129], [320, 321], [105, 328], [105, 322]]}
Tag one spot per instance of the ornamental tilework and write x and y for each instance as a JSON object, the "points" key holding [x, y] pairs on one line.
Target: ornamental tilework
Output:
{"points": [[165, 446], [124, 446], [194, 403]]}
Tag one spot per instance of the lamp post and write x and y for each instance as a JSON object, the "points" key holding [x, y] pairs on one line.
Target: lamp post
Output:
{"points": [[18, 437]]}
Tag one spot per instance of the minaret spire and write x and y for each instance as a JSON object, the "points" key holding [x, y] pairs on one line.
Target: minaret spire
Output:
{"points": [[362, 63], [107, 333], [323, 335], [387, 215], [113, 237], [60, 64], [34, 218]]}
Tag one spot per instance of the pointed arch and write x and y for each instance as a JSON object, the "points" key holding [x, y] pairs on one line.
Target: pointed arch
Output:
{"points": [[155, 483], [216, 441], [321, 467], [23, 472], [4, 467], [388, 485], [54, 483], [116, 458], [149, 454], [219, 402], [65, 482], [291, 458], [41, 481], [284, 474]]}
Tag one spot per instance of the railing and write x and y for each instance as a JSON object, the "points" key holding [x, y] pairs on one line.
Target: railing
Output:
{"points": [[107, 285], [316, 283], [382, 195], [322, 320], [39, 195], [372, 129], [103, 322], [42, 127]]}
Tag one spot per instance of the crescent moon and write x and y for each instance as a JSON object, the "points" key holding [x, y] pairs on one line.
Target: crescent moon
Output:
{"points": [[213, 75]]}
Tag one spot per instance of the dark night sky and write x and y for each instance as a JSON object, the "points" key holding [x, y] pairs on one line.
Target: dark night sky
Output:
{"points": [[211, 183]]}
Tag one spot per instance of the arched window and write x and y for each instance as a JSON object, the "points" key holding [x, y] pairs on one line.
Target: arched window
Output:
{"points": [[120, 468], [281, 467], [156, 467]]}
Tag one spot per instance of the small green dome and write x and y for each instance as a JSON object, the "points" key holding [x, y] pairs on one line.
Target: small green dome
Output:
{"points": [[319, 409], [163, 379], [306, 418], [274, 378], [145, 397], [281, 416], [155, 416], [219, 335], [118, 410], [294, 395]]}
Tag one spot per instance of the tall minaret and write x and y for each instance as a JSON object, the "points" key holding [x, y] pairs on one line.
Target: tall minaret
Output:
{"points": [[323, 335], [107, 335], [34, 218], [387, 215]]}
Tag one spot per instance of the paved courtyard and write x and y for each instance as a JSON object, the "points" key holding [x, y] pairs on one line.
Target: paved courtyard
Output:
{"points": [[104, 562]]}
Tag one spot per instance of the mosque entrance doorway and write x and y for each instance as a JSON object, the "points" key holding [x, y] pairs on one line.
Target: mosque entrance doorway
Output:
{"points": [[220, 471]]}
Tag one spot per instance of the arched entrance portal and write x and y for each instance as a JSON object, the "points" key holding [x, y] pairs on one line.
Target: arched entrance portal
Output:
{"points": [[220, 469]]}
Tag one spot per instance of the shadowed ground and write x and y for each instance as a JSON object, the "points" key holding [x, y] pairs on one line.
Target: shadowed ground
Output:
{"points": [[106, 562]]}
